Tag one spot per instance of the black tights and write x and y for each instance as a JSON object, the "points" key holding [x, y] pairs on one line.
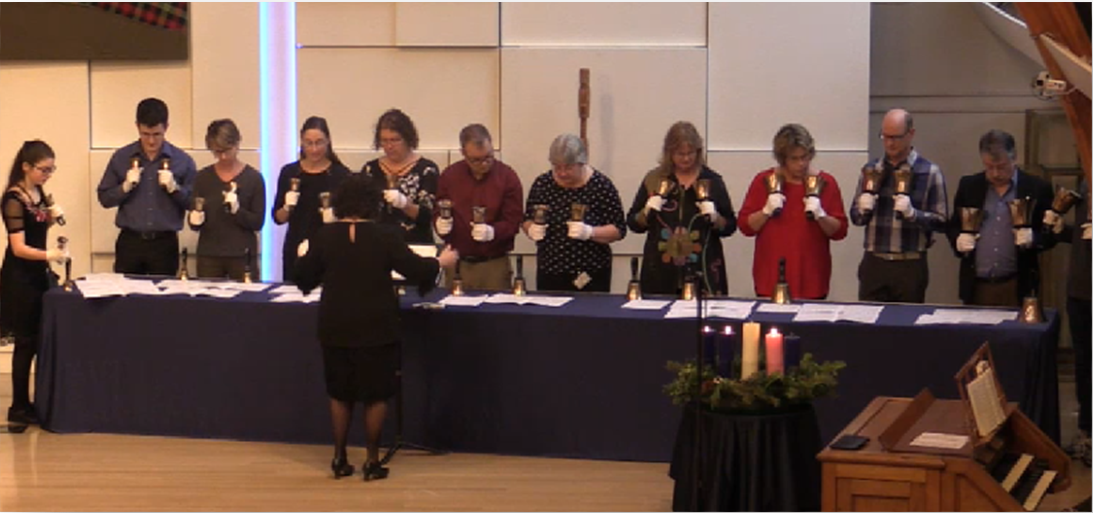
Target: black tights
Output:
{"points": [[341, 413], [21, 358]]}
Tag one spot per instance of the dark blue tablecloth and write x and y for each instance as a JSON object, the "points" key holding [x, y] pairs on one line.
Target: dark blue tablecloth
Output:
{"points": [[584, 380]]}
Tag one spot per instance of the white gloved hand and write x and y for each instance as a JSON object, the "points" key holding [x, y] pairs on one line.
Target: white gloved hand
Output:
{"points": [[482, 232], [867, 202], [709, 210], [654, 203], [58, 256], [443, 226], [291, 199], [1054, 221], [301, 250], [396, 198], [579, 230], [965, 242], [1022, 237], [231, 199], [774, 202], [132, 178], [197, 218], [167, 181], [328, 215], [903, 206], [537, 232], [812, 204], [56, 212]]}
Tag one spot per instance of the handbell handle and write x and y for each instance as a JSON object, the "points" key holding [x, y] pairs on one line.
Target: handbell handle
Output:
{"points": [[633, 268]]}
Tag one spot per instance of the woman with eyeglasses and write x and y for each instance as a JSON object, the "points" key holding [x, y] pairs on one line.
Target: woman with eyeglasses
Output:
{"points": [[229, 207], [24, 277], [304, 188], [410, 179]]}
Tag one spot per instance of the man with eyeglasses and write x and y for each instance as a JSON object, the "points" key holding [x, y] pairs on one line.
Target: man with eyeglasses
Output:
{"points": [[899, 227], [150, 182], [480, 182]]}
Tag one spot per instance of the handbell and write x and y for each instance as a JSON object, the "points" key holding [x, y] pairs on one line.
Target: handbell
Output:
{"points": [[1020, 212], [392, 181], [246, 266], [633, 289], [444, 208], [971, 219], [519, 285], [773, 182], [577, 212], [664, 187], [870, 178], [702, 189], [294, 184], [457, 281], [814, 187], [183, 265], [902, 176], [781, 294], [1064, 200], [539, 214], [478, 215], [688, 292], [1030, 311], [324, 200], [62, 244]]}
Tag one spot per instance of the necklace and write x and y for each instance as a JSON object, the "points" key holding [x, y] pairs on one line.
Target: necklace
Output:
{"points": [[391, 168]]}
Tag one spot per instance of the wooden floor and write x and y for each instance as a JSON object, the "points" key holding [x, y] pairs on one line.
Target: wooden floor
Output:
{"points": [[42, 471]]}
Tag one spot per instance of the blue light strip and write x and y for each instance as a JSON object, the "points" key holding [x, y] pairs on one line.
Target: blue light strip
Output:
{"points": [[277, 112]]}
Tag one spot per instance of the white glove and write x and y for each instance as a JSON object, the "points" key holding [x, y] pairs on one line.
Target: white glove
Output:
{"points": [[291, 199], [232, 200], [328, 215], [56, 212], [537, 232], [867, 202], [1053, 221], [482, 232], [774, 202], [1022, 237], [579, 230], [812, 204], [965, 242], [197, 218], [709, 209], [301, 250], [132, 178], [57, 255], [443, 226], [167, 181], [903, 206], [654, 203], [396, 198], [1086, 230]]}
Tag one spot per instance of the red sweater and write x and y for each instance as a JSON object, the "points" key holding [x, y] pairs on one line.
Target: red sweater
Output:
{"points": [[794, 237]]}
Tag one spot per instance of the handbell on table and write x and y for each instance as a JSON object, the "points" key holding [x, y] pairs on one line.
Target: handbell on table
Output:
{"points": [[519, 285], [1031, 313], [183, 265], [688, 292], [246, 266], [633, 289], [781, 289], [457, 281]]}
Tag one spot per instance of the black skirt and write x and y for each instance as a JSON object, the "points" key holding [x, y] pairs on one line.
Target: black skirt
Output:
{"points": [[361, 374]]}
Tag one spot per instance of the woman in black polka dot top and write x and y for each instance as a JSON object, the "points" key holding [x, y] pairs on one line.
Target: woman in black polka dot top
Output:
{"points": [[583, 216]]}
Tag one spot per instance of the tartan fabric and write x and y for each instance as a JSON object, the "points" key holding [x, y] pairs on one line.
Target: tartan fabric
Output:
{"points": [[168, 15]]}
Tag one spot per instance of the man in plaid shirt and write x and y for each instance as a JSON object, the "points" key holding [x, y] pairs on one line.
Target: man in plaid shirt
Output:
{"points": [[899, 227]]}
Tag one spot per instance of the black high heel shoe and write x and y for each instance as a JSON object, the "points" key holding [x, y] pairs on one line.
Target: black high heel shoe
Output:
{"points": [[373, 471], [341, 468]]}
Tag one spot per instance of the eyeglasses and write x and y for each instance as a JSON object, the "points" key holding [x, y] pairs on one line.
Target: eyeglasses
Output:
{"points": [[885, 137], [480, 161], [315, 144], [393, 140], [47, 170]]}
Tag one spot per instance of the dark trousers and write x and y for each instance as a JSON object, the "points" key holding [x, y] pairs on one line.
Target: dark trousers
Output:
{"points": [[21, 359], [996, 293], [892, 281], [223, 267], [1080, 318], [146, 253], [601, 281]]}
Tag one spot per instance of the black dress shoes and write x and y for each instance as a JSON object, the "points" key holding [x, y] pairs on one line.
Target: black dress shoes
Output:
{"points": [[341, 468], [373, 471], [23, 415]]}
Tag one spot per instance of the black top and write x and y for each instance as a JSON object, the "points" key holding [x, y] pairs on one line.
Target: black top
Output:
{"points": [[359, 306], [559, 254], [22, 282], [419, 185], [1078, 278], [305, 219], [680, 236], [225, 234]]}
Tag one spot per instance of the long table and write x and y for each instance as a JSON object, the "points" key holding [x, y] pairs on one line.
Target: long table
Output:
{"points": [[583, 380]]}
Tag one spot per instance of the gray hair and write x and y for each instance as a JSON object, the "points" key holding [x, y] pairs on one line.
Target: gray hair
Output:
{"points": [[568, 149], [998, 143]]}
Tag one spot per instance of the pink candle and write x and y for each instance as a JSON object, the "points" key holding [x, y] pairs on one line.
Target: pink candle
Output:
{"points": [[775, 363]]}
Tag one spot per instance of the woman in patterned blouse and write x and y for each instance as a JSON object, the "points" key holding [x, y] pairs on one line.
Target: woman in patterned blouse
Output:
{"points": [[411, 179], [582, 217]]}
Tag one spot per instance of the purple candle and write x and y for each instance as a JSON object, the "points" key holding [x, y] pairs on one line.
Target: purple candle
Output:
{"points": [[791, 348], [726, 351], [710, 351]]}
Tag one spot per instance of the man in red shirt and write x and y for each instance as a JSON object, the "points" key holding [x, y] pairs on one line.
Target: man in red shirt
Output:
{"points": [[484, 184]]}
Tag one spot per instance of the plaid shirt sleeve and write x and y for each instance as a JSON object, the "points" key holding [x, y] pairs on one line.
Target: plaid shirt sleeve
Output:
{"points": [[935, 203]]}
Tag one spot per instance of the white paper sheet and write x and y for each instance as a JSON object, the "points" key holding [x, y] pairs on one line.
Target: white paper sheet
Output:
{"points": [[503, 298], [818, 312], [865, 314], [99, 289], [295, 297], [242, 287], [940, 440], [777, 308], [964, 316], [471, 301], [550, 301], [646, 304]]}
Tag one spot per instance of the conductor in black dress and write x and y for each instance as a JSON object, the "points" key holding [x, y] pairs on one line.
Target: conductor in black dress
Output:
{"points": [[359, 310]]}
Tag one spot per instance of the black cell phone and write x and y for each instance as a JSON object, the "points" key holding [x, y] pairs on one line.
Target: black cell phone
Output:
{"points": [[850, 442]]}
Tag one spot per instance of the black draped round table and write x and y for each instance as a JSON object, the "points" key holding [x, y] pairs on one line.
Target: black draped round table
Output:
{"points": [[749, 461]]}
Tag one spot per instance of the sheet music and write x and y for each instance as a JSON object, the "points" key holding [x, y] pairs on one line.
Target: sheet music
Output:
{"points": [[819, 312], [550, 301], [777, 308], [646, 304], [141, 287], [965, 316], [504, 298], [986, 408], [865, 314], [242, 287], [471, 301], [100, 288], [295, 297], [103, 277], [940, 440]]}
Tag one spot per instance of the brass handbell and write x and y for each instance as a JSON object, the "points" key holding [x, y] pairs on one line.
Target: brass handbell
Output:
{"points": [[702, 189], [457, 281], [519, 285], [539, 214], [781, 289], [183, 265], [62, 244], [1064, 200], [1021, 212], [246, 267], [688, 293], [902, 176], [577, 212], [1030, 311], [664, 187], [971, 219], [633, 289], [814, 187], [444, 208], [773, 182], [870, 178]]}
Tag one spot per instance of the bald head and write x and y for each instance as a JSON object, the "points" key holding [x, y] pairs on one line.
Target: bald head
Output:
{"points": [[897, 133]]}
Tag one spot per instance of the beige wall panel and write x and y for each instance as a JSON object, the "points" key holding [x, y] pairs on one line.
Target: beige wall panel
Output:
{"points": [[635, 98], [761, 79], [446, 24], [117, 88], [960, 57], [345, 23], [603, 24], [441, 90], [48, 101], [224, 46], [739, 168]]}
